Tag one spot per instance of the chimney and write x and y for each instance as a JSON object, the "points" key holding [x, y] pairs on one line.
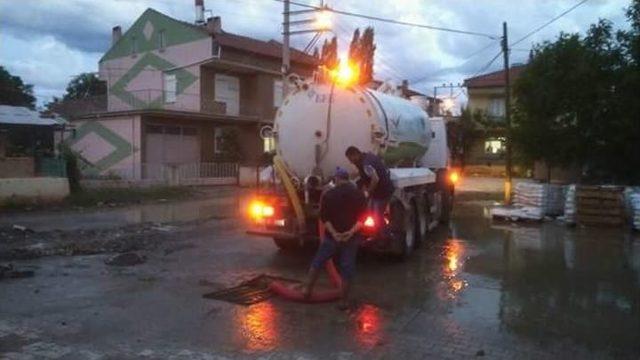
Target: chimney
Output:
{"points": [[199, 12], [405, 87], [214, 25], [116, 34]]}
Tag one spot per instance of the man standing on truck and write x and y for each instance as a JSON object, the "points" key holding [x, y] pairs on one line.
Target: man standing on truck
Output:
{"points": [[375, 179], [341, 209]]}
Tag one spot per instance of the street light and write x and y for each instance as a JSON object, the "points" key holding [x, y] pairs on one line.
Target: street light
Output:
{"points": [[323, 20], [448, 104], [346, 73]]}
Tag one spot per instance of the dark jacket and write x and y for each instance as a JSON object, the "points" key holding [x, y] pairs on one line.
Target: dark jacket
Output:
{"points": [[343, 206], [385, 187]]}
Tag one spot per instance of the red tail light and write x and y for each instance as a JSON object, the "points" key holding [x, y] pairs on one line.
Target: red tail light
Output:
{"points": [[369, 222], [369, 225]]}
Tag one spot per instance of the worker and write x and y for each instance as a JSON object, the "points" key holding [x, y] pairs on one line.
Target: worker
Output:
{"points": [[341, 209], [374, 179]]}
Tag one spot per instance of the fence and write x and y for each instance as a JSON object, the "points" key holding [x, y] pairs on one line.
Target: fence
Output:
{"points": [[168, 174], [51, 167]]}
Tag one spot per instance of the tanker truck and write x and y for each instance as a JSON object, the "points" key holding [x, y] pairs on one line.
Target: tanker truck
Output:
{"points": [[314, 126]]}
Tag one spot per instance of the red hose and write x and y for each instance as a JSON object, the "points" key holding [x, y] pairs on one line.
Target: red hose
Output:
{"points": [[292, 294]]}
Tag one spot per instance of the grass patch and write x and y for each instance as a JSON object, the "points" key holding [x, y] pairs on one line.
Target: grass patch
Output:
{"points": [[94, 197]]}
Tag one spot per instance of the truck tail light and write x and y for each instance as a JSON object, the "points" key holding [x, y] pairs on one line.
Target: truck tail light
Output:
{"points": [[369, 225], [259, 210], [454, 176], [369, 222]]}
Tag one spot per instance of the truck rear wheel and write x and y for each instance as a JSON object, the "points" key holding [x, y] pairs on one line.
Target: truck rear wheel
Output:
{"points": [[420, 228], [447, 206], [402, 230]]}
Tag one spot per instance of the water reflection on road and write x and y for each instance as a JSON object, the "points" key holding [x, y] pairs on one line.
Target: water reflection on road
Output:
{"points": [[552, 282]]}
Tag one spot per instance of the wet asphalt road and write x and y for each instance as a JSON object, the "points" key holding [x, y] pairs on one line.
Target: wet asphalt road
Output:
{"points": [[475, 290]]}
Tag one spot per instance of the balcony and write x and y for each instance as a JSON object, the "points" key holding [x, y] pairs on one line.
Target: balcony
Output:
{"points": [[150, 99]]}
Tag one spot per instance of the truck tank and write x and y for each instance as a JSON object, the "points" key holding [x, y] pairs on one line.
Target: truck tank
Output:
{"points": [[317, 123]]}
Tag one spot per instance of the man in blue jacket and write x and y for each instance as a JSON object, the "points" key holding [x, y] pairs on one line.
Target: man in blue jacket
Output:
{"points": [[341, 210], [375, 179]]}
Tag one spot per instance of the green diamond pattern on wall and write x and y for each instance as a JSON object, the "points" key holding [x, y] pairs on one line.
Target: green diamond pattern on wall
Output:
{"points": [[122, 148], [183, 79]]}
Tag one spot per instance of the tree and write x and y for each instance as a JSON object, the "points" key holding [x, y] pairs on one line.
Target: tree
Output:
{"points": [[462, 133], [576, 102], [85, 93], [83, 86], [15, 92], [329, 53], [361, 52]]}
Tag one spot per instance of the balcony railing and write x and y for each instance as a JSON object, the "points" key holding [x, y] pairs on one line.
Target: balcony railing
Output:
{"points": [[149, 99], [152, 99]]}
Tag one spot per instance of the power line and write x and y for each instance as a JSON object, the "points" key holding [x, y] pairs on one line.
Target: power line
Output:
{"points": [[392, 21], [549, 22]]}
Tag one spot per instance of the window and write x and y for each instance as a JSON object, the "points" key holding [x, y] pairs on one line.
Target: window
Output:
{"points": [[170, 88], [218, 139], [134, 45], [494, 146], [227, 90], [162, 42], [215, 49], [277, 93], [496, 107]]}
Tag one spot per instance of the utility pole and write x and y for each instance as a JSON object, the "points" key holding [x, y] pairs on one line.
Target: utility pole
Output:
{"points": [[286, 62], [507, 114], [451, 86]]}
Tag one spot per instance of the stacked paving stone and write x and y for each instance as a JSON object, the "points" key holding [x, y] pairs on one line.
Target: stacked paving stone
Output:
{"points": [[600, 205], [549, 198], [634, 202], [570, 204]]}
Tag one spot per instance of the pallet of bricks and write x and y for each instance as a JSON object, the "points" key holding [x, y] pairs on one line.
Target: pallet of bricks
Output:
{"points": [[600, 205]]}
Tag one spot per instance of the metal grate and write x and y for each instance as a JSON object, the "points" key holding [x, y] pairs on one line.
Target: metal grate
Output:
{"points": [[249, 292]]}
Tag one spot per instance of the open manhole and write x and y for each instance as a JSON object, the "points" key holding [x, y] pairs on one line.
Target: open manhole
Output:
{"points": [[248, 292]]}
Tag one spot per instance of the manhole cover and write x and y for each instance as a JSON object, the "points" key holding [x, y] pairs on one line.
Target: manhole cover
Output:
{"points": [[249, 292]]}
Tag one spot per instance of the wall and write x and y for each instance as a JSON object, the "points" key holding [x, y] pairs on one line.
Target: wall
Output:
{"points": [[17, 167], [112, 146], [135, 81], [41, 188], [479, 99]]}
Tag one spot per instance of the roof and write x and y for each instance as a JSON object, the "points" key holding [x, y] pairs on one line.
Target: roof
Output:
{"points": [[270, 48], [409, 92], [493, 79], [19, 115], [186, 32]]}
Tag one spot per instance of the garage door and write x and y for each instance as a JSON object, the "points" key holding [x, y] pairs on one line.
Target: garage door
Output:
{"points": [[166, 144], [227, 90]]}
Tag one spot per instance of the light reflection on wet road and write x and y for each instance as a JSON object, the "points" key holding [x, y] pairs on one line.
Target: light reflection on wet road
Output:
{"points": [[540, 291]]}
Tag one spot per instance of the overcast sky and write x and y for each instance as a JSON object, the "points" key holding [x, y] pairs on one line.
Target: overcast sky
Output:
{"points": [[46, 42]]}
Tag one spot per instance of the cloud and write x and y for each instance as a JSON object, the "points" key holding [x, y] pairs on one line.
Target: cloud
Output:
{"points": [[46, 42], [45, 62]]}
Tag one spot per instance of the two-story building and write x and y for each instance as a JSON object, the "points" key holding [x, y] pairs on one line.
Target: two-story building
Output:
{"points": [[487, 94], [175, 92]]}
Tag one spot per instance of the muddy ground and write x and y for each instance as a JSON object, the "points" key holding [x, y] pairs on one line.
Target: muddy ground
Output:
{"points": [[476, 289]]}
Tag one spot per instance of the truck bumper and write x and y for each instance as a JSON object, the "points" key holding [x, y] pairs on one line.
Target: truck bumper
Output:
{"points": [[272, 234]]}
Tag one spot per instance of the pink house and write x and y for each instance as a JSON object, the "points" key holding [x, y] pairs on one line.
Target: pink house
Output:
{"points": [[177, 91]]}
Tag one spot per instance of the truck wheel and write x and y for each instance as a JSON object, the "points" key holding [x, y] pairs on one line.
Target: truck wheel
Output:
{"points": [[286, 244], [420, 224], [446, 207], [402, 230]]}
